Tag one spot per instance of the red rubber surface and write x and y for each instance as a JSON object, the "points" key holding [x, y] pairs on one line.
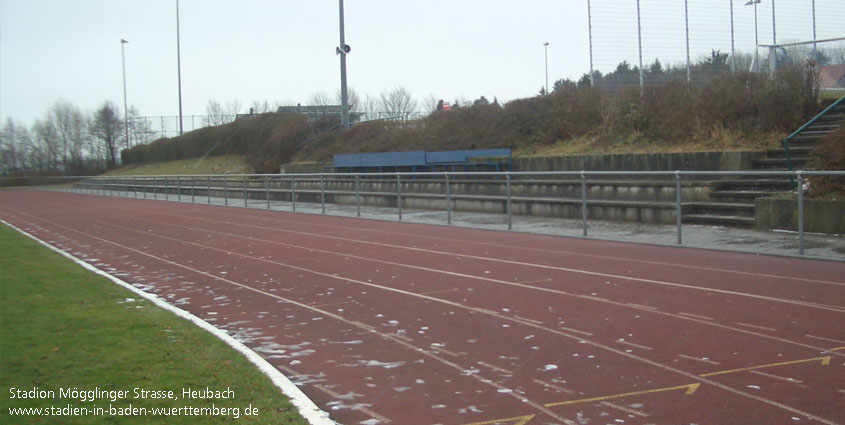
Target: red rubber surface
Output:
{"points": [[385, 322]]}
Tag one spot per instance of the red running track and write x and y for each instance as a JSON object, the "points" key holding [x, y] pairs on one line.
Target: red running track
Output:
{"points": [[386, 322]]}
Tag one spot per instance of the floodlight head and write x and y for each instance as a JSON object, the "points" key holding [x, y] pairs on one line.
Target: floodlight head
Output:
{"points": [[546, 43], [750, 2], [122, 41]]}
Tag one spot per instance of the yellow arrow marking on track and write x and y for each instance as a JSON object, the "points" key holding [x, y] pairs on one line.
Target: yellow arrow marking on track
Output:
{"points": [[825, 361], [690, 389], [520, 420]]}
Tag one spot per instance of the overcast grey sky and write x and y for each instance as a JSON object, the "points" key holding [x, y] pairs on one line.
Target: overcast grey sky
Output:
{"points": [[283, 50]]}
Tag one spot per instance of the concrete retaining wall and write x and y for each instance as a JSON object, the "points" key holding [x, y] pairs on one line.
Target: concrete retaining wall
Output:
{"points": [[782, 214], [693, 161]]}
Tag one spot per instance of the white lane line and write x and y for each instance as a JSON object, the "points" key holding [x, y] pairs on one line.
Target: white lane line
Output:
{"points": [[364, 409], [782, 378], [446, 302], [696, 316], [643, 306], [699, 359], [496, 368], [748, 325], [554, 387], [838, 341], [628, 410], [548, 267], [575, 331], [622, 341], [444, 351], [689, 317], [528, 320], [334, 316]]}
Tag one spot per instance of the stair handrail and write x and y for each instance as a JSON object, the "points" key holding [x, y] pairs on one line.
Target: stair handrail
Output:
{"points": [[804, 127], [812, 121]]}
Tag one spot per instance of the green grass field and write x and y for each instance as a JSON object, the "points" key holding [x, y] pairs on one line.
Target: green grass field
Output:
{"points": [[62, 327]]}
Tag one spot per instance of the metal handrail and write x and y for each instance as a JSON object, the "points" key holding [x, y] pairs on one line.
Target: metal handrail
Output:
{"points": [[123, 184], [804, 127]]}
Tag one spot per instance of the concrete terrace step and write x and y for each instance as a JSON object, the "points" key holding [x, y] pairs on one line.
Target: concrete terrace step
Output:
{"points": [[794, 151], [719, 220], [740, 196], [769, 163], [765, 184], [722, 209]]}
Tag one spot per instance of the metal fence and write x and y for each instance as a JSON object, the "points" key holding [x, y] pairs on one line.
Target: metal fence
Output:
{"points": [[665, 39], [267, 190]]}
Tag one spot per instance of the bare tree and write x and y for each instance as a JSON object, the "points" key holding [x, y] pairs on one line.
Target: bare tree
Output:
{"points": [[260, 108], [140, 130], [320, 98], [15, 141], [46, 144], [398, 102], [371, 105], [213, 113], [107, 127], [352, 99], [429, 105]]}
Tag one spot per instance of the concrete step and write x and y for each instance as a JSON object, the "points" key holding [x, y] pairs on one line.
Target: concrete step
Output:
{"points": [[740, 196], [719, 220], [763, 185], [794, 151], [770, 163], [722, 209]]}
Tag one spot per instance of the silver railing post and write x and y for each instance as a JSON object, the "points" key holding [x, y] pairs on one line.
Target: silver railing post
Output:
{"points": [[208, 188], [245, 205], [584, 224], [225, 190], [800, 179], [267, 187], [358, 194], [678, 209], [323, 193], [509, 204], [155, 188], [166, 198], [448, 200], [135, 188], [399, 195], [178, 189], [145, 180], [193, 190], [292, 193]]}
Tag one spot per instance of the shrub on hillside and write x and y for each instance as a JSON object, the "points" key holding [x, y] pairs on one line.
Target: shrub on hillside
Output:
{"points": [[829, 156]]}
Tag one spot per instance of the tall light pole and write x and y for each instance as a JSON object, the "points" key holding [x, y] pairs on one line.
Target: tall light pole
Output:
{"points": [[774, 33], [125, 109], [733, 47], [546, 51], [179, 67], [590, 30], [342, 51], [756, 39]]}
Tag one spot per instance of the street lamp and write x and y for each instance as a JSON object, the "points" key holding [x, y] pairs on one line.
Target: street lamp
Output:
{"points": [[125, 110], [756, 40], [179, 67], [546, 51]]}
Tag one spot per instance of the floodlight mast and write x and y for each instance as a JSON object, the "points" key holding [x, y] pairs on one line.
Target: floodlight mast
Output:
{"points": [[342, 51]]}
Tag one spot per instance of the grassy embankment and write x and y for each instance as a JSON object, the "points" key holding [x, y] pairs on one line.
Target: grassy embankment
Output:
{"points": [[64, 327], [226, 164]]}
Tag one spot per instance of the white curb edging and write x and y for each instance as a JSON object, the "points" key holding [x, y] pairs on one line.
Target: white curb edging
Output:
{"points": [[304, 405]]}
